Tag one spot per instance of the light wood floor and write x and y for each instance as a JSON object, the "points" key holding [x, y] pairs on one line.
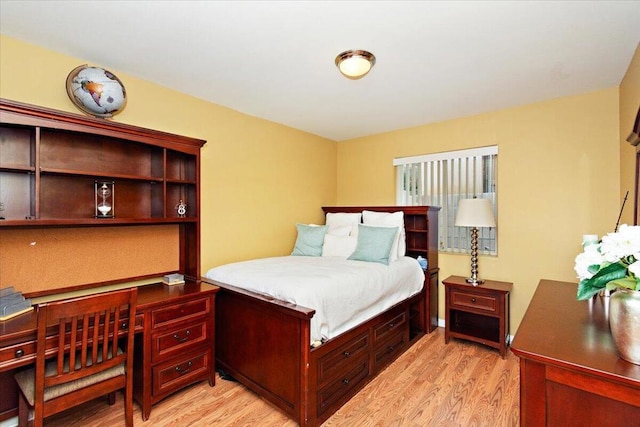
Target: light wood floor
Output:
{"points": [[432, 384]]}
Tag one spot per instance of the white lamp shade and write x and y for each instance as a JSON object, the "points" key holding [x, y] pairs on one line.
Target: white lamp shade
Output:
{"points": [[475, 213]]}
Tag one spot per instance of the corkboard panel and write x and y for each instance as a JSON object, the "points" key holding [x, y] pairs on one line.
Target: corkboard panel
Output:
{"points": [[40, 259]]}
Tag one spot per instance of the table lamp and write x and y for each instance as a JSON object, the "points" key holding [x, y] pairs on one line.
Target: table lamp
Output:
{"points": [[475, 213]]}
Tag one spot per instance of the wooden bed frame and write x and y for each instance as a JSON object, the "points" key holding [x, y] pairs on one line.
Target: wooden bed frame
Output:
{"points": [[264, 343]]}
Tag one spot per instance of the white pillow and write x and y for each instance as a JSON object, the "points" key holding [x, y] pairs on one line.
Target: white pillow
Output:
{"points": [[342, 246], [389, 219], [338, 219], [340, 230]]}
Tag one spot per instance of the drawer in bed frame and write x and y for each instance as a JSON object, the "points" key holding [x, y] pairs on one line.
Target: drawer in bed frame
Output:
{"points": [[344, 370]]}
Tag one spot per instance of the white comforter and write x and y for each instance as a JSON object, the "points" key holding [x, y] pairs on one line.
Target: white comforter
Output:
{"points": [[344, 293]]}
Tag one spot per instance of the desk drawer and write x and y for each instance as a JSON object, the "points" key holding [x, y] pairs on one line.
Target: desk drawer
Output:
{"points": [[179, 313], [18, 355], [474, 300], [178, 340], [178, 373]]}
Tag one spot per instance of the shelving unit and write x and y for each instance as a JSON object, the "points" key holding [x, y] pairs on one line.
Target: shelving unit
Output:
{"points": [[50, 161], [421, 230]]}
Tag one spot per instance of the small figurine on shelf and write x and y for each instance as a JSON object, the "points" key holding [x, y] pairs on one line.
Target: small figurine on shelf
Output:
{"points": [[181, 208]]}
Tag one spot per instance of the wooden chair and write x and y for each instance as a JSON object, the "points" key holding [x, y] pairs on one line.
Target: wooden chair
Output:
{"points": [[90, 355]]}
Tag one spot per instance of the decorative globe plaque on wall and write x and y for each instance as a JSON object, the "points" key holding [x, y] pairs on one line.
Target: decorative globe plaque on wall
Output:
{"points": [[96, 91]]}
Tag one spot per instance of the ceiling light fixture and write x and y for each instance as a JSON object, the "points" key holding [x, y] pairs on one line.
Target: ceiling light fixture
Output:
{"points": [[355, 64]]}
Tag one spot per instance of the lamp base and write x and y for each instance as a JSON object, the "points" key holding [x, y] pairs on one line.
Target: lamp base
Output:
{"points": [[474, 281]]}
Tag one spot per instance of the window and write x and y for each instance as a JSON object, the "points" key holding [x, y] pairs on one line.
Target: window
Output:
{"points": [[442, 179]]}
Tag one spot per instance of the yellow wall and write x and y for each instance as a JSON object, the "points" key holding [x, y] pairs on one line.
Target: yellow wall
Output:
{"points": [[258, 178], [558, 178], [562, 168], [629, 104]]}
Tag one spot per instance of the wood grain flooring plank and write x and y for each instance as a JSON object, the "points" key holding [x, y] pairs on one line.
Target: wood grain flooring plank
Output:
{"points": [[433, 384]]}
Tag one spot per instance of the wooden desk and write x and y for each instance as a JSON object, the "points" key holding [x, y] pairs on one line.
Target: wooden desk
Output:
{"points": [[174, 344], [570, 371]]}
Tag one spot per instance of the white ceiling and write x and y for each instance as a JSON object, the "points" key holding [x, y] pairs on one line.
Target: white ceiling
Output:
{"points": [[436, 60]]}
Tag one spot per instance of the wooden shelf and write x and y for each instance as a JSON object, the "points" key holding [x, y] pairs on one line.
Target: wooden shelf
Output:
{"points": [[95, 174], [50, 160], [16, 168]]}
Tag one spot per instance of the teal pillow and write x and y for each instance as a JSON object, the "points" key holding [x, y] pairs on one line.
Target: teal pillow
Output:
{"points": [[310, 240], [374, 244]]}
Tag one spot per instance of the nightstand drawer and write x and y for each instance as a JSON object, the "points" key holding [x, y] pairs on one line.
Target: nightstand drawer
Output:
{"points": [[179, 313], [338, 361], [178, 340], [474, 300], [172, 376]]}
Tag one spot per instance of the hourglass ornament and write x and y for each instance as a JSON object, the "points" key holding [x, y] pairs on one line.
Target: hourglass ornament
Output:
{"points": [[105, 199]]}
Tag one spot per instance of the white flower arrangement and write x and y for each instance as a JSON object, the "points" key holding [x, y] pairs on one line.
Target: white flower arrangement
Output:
{"points": [[612, 263]]}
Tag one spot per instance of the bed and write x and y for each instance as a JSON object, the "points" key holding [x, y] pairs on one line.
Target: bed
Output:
{"points": [[267, 344]]}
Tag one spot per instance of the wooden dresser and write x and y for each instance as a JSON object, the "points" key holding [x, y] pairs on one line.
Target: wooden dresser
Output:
{"points": [[570, 371]]}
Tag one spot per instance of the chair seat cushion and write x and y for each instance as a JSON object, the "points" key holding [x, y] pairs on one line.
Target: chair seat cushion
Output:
{"points": [[26, 378]]}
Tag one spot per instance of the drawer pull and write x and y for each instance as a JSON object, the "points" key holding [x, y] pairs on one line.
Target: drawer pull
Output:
{"points": [[390, 349], [346, 354], [345, 381], [180, 370], [19, 352], [182, 339], [124, 325], [391, 325], [473, 300]]}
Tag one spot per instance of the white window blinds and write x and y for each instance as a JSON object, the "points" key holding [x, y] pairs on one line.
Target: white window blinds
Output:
{"points": [[441, 179]]}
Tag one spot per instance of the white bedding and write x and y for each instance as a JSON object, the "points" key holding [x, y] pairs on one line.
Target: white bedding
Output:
{"points": [[343, 292]]}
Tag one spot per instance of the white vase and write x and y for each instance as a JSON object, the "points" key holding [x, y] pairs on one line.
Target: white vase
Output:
{"points": [[624, 320]]}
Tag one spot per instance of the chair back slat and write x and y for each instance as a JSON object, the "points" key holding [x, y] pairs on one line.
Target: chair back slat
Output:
{"points": [[105, 335], [88, 335], [72, 340], [116, 321], [96, 336], [85, 342], [61, 334]]}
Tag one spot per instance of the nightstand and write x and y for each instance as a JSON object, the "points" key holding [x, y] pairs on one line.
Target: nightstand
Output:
{"points": [[477, 313]]}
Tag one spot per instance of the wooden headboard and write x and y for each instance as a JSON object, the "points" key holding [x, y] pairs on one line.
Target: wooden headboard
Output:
{"points": [[420, 224]]}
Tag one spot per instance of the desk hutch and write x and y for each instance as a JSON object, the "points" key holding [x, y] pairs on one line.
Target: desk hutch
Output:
{"points": [[49, 163]]}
